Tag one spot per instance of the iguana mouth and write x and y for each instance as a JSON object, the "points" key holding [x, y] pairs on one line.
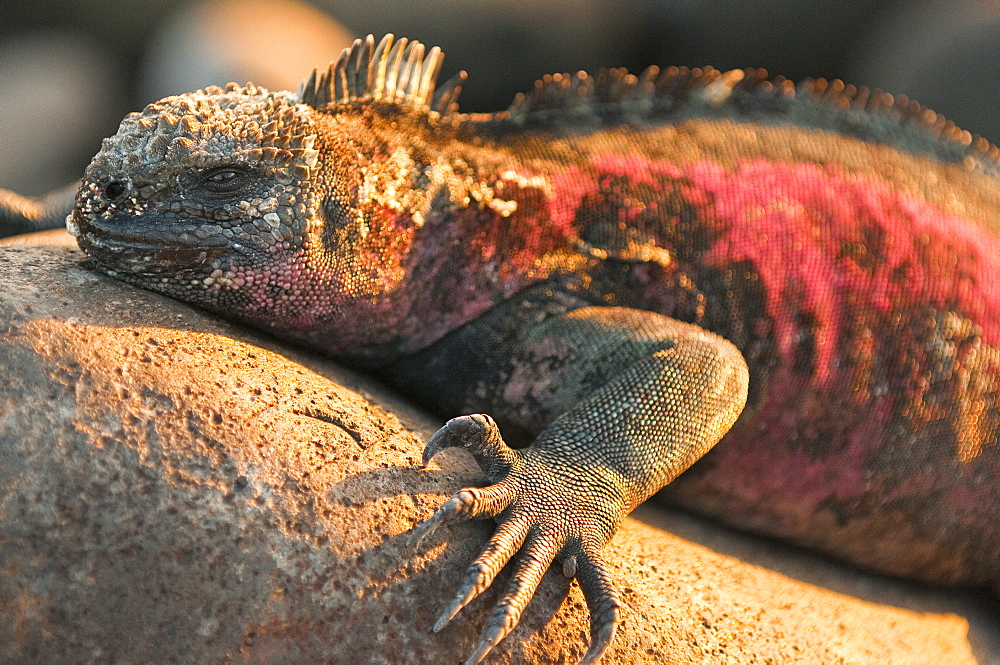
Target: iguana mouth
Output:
{"points": [[143, 244]]}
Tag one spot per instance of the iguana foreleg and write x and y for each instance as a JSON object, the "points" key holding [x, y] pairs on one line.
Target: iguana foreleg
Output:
{"points": [[636, 398]]}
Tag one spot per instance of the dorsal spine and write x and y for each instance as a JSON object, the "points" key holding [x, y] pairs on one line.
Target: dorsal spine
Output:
{"points": [[395, 71]]}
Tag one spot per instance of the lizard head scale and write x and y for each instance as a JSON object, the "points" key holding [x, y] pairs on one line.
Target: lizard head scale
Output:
{"points": [[289, 211]]}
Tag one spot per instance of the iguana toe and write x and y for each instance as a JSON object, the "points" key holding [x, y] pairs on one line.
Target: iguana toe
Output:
{"points": [[478, 434], [529, 566], [468, 502], [602, 601], [504, 543], [541, 516]]}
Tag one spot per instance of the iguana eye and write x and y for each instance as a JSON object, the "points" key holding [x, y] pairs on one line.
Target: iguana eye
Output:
{"points": [[223, 181]]}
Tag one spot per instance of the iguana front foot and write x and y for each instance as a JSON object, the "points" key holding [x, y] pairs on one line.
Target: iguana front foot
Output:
{"points": [[544, 513]]}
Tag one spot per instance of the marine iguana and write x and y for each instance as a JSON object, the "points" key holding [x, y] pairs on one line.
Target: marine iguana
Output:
{"points": [[621, 270]]}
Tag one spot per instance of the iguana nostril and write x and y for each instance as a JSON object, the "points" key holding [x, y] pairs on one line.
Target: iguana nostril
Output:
{"points": [[114, 190]]}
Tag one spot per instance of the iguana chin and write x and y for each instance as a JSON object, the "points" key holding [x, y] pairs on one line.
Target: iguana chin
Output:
{"points": [[620, 270]]}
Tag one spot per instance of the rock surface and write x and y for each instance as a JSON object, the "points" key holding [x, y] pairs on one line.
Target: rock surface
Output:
{"points": [[177, 489]]}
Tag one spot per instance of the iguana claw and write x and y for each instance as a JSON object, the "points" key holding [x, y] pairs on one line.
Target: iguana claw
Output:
{"points": [[530, 531], [480, 436]]}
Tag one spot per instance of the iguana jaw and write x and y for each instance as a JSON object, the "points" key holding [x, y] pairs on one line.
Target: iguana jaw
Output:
{"points": [[144, 244]]}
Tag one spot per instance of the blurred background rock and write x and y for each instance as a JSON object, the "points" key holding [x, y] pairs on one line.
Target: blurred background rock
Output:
{"points": [[70, 69]]}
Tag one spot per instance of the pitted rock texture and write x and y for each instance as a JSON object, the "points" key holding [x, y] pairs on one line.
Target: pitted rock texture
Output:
{"points": [[174, 489]]}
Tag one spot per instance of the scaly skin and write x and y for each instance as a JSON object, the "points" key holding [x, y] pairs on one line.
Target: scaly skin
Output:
{"points": [[612, 270]]}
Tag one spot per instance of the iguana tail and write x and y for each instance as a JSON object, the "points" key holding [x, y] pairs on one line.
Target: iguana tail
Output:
{"points": [[22, 214]]}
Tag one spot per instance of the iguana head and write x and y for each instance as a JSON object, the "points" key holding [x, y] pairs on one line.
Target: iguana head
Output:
{"points": [[291, 211]]}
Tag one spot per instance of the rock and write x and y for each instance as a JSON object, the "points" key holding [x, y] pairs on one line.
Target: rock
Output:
{"points": [[179, 489]]}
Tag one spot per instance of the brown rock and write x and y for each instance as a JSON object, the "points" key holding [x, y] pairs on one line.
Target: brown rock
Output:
{"points": [[178, 489]]}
